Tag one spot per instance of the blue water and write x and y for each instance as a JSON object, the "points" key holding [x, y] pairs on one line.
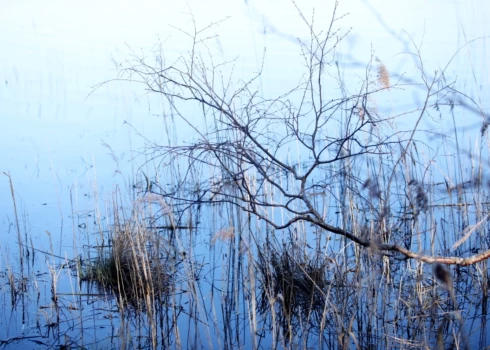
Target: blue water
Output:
{"points": [[69, 146]]}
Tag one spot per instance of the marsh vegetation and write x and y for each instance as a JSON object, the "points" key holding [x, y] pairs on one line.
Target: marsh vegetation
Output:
{"points": [[312, 219]]}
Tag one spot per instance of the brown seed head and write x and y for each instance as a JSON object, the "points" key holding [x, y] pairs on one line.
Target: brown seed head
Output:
{"points": [[442, 274]]}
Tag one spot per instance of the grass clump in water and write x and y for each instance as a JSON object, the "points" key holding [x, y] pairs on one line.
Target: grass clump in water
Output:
{"points": [[294, 289], [135, 267]]}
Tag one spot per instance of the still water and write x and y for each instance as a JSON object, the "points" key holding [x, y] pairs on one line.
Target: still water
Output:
{"points": [[70, 146]]}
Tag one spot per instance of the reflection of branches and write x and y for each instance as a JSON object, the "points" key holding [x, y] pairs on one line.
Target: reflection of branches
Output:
{"points": [[337, 139]]}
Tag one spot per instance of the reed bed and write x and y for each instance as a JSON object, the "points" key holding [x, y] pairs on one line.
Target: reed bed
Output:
{"points": [[231, 281], [298, 221]]}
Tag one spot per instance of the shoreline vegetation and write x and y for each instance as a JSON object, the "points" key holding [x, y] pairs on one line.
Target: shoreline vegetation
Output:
{"points": [[305, 220]]}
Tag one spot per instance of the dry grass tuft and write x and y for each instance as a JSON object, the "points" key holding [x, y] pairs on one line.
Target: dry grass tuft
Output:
{"points": [[297, 285], [136, 268]]}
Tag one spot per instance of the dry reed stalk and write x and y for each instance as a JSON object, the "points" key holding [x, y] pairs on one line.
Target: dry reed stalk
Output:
{"points": [[17, 226]]}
